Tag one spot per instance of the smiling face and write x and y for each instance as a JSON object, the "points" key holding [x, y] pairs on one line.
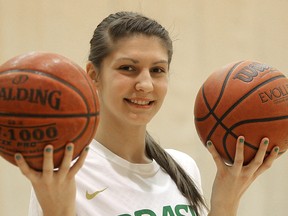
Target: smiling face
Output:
{"points": [[133, 80]]}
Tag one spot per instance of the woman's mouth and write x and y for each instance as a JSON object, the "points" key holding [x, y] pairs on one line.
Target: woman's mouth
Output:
{"points": [[139, 102]]}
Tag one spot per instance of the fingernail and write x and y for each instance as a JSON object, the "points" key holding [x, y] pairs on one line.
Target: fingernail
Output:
{"points": [[87, 148], [48, 150], [241, 140], [69, 148], [18, 157], [209, 143], [266, 142], [276, 149]]}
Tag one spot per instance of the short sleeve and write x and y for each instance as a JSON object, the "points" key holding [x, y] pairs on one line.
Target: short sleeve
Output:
{"points": [[191, 168], [188, 164], [34, 206]]}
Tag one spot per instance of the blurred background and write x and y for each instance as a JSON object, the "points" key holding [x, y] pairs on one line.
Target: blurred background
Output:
{"points": [[207, 35]]}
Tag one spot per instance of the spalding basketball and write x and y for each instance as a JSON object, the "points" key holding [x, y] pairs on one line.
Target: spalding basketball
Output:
{"points": [[245, 98], [45, 98]]}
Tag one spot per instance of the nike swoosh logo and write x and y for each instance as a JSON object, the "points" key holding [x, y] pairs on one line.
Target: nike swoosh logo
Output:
{"points": [[90, 196]]}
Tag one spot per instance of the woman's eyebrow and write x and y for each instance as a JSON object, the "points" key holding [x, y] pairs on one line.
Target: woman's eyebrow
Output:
{"points": [[129, 59], [160, 62]]}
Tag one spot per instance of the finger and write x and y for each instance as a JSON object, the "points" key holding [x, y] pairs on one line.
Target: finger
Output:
{"points": [[24, 167], [260, 155], [48, 164], [239, 155], [216, 157], [66, 162], [268, 161], [79, 163]]}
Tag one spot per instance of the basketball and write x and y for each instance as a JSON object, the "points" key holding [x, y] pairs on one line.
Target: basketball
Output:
{"points": [[246, 98], [45, 98]]}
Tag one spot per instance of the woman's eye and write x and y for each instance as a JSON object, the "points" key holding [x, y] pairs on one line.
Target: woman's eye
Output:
{"points": [[158, 70], [126, 68]]}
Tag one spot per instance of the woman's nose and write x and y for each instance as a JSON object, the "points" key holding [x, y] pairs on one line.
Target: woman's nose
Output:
{"points": [[144, 82]]}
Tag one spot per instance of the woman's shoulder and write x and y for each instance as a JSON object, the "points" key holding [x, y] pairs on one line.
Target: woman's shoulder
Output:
{"points": [[187, 163], [181, 157]]}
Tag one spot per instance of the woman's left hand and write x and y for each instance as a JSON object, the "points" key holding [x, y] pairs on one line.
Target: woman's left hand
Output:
{"points": [[232, 181]]}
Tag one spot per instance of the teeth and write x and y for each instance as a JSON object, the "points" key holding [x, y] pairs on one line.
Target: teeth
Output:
{"points": [[140, 102]]}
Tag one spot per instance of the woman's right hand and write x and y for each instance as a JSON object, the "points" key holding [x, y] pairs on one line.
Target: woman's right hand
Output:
{"points": [[55, 190]]}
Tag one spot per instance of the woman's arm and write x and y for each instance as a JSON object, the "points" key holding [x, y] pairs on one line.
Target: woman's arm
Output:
{"points": [[232, 181], [55, 190]]}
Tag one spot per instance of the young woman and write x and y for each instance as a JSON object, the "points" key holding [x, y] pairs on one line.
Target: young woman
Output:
{"points": [[126, 173]]}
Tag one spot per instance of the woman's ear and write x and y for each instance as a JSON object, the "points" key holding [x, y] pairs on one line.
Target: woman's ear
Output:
{"points": [[92, 72]]}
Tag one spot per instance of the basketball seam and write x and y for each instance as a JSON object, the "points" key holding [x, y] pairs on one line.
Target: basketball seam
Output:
{"points": [[88, 115], [219, 120], [220, 94], [248, 121]]}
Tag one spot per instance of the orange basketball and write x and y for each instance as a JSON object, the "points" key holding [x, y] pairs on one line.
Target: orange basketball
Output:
{"points": [[245, 98], [45, 98]]}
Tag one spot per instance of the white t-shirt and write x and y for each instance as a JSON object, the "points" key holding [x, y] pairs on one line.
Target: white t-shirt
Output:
{"points": [[108, 185]]}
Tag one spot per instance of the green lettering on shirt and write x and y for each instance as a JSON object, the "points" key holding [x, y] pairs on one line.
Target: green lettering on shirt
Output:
{"points": [[178, 210], [184, 208], [144, 212], [167, 211]]}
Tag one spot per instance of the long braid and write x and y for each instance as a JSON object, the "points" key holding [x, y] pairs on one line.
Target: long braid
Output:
{"points": [[184, 183]]}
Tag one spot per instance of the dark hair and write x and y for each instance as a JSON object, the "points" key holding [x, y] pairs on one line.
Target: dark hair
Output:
{"points": [[120, 25], [123, 24]]}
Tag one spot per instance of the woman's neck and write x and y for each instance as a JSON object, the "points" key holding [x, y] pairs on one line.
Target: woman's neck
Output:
{"points": [[127, 141]]}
